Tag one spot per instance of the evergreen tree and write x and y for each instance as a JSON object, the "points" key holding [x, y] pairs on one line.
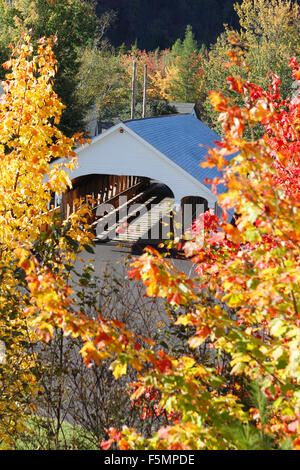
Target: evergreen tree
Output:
{"points": [[185, 69], [189, 45], [176, 49]]}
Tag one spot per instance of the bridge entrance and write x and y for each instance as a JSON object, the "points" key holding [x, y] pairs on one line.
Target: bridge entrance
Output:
{"points": [[131, 208]]}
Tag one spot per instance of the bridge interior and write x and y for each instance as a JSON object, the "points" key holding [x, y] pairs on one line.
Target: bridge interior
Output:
{"points": [[128, 208]]}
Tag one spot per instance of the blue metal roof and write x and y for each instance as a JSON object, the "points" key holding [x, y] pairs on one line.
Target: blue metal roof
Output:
{"points": [[180, 138]]}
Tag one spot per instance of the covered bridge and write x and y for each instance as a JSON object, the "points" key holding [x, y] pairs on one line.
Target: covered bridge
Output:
{"points": [[168, 149], [126, 157]]}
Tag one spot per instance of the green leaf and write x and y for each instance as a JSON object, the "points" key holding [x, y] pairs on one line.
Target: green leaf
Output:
{"points": [[252, 283], [252, 235], [88, 248]]}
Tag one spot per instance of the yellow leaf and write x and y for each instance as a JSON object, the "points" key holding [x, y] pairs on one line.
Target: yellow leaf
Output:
{"points": [[240, 358], [118, 369]]}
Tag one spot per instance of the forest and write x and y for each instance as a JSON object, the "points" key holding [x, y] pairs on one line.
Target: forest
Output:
{"points": [[95, 67], [158, 23]]}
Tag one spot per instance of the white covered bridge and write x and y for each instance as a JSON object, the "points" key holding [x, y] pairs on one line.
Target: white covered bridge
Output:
{"points": [[130, 156]]}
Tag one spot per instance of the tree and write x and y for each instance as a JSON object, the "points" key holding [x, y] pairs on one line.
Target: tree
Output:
{"points": [[7, 25], [245, 299], [271, 29], [102, 77], [77, 27], [267, 38], [29, 114], [38, 249], [181, 80], [89, 398], [106, 76]]}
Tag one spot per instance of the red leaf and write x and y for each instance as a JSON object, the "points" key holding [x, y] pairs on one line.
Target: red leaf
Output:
{"points": [[105, 445]]}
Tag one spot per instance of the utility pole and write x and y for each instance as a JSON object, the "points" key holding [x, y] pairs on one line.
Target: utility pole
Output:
{"points": [[133, 89], [145, 91]]}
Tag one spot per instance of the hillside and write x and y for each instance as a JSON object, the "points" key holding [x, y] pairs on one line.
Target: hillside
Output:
{"points": [[158, 23]]}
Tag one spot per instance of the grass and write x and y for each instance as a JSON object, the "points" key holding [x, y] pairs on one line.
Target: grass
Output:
{"points": [[39, 434]]}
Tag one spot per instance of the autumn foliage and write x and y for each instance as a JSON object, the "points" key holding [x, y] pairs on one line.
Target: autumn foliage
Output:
{"points": [[244, 299], [38, 249], [30, 140]]}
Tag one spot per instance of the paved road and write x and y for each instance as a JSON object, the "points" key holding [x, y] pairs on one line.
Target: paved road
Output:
{"points": [[113, 254]]}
